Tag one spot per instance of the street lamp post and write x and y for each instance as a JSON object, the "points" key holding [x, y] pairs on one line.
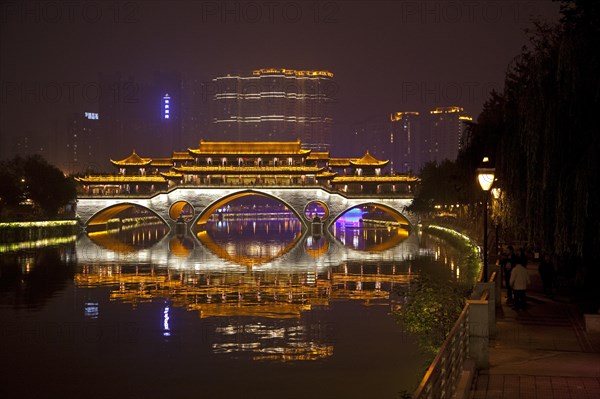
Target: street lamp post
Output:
{"points": [[496, 193], [485, 176]]}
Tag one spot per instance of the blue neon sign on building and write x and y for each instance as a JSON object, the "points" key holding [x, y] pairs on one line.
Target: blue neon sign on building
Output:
{"points": [[166, 106]]}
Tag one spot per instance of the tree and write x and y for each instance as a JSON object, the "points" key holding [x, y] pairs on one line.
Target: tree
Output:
{"points": [[35, 179], [543, 131], [48, 187], [10, 188]]}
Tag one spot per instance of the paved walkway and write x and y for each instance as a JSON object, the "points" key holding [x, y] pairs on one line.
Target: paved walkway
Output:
{"points": [[542, 352]]}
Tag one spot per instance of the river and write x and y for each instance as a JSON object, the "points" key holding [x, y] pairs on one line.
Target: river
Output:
{"points": [[239, 309]]}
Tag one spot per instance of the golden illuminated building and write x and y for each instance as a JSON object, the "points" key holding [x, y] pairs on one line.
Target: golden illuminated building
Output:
{"points": [[447, 132], [406, 141], [275, 103], [286, 163]]}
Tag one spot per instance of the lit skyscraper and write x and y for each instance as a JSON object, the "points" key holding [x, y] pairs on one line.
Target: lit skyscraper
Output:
{"points": [[275, 105], [406, 140], [446, 131]]}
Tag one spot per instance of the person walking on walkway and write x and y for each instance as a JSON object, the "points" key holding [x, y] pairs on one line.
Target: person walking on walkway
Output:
{"points": [[509, 264], [519, 280]]}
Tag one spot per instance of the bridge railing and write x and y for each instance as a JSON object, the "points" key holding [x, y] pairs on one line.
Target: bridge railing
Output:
{"points": [[255, 186], [465, 348]]}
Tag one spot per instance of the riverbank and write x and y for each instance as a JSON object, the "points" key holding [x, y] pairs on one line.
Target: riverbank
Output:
{"points": [[16, 232]]}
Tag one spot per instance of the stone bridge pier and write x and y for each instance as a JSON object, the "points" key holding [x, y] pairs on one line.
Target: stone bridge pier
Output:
{"points": [[205, 200]]}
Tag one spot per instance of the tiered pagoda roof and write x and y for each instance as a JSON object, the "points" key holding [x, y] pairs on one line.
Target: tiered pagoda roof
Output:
{"points": [[316, 155], [236, 170], [368, 160], [249, 148], [121, 179], [341, 162], [133, 160]]}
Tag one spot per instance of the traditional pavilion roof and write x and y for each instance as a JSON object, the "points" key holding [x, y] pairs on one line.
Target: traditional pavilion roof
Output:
{"points": [[161, 162], [341, 162], [368, 160], [245, 170], [216, 148], [132, 160], [121, 179], [375, 179], [171, 175], [182, 156], [326, 174], [318, 155]]}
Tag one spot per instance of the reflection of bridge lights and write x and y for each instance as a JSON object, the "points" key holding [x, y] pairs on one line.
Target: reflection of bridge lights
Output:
{"points": [[355, 241], [166, 329], [91, 310]]}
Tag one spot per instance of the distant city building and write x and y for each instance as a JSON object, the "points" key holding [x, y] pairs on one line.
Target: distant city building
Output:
{"points": [[81, 142], [445, 133], [165, 112], [406, 141], [372, 133], [275, 105]]}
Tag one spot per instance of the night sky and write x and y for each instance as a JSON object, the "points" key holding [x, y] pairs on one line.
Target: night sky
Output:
{"points": [[386, 55]]}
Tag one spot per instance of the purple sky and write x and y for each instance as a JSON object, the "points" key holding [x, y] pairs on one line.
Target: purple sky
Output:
{"points": [[386, 55]]}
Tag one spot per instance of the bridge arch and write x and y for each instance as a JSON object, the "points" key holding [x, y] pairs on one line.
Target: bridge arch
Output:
{"points": [[210, 209], [394, 213], [176, 209], [102, 216]]}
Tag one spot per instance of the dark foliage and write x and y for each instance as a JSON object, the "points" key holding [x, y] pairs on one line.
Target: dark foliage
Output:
{"points": [[542, 132], [35, 179]]}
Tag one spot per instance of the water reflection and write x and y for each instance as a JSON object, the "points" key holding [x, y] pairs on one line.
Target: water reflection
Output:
{"points": [[251, 242], [138, 295], [261, 244]]}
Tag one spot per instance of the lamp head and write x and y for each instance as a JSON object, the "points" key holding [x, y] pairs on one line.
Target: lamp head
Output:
{"points": [[485, 175]]}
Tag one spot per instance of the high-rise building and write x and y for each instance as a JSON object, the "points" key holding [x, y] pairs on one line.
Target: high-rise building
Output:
{"points": [[275, 105], [446, 131], [81, 144], [373, 134], [148, 116], [406, 141]]}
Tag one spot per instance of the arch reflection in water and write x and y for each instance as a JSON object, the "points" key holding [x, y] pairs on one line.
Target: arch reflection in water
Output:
{"points": [[129, 238], [370, 228], [293, 250], [251, 242]]}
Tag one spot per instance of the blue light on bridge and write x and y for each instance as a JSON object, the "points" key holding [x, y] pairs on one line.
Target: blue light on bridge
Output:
{"points": [[351, 218]]}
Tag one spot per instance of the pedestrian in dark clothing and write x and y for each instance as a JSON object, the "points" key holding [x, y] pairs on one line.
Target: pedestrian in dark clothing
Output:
{"points": [[511, 261], [546, 270]]}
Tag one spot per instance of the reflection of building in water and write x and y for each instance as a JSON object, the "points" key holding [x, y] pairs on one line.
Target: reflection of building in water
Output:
{"points": [[277, 298], [271, 294], [274, 341]]}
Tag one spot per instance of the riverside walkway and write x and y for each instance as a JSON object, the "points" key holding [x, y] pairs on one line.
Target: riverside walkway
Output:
{"points": [[542, 352]]}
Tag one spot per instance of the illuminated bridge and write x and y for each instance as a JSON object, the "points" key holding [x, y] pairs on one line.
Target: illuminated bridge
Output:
{"points": [[205, 200]]}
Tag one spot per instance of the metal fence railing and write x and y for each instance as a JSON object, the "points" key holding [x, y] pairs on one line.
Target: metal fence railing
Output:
{"points": [[447, 371], [443, 374]]}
